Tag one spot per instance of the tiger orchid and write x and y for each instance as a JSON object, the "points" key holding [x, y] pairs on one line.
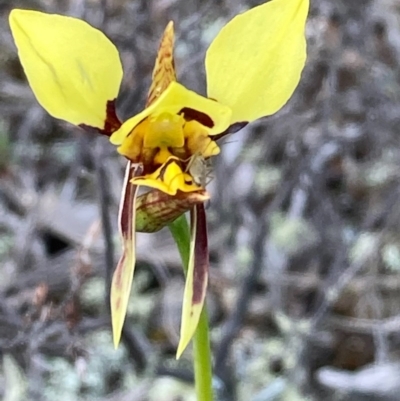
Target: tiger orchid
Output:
{"points": [[252, 68]]}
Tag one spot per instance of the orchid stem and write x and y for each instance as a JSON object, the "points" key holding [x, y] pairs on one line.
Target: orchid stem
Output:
{"points": [[202, 359], [201, 340]]}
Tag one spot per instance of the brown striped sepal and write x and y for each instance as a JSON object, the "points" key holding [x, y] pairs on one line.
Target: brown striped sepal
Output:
{"points": [[123, 275], [164, 69], [196, 278]]}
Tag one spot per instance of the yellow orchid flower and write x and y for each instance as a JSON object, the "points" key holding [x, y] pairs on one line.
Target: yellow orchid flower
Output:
{"points": [[253, 66]]}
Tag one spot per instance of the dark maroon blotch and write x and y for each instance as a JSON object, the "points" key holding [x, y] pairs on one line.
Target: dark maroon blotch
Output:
{"points": [[201, 257], [230, 130], [191, 114], [111, 124], [112, 121]]}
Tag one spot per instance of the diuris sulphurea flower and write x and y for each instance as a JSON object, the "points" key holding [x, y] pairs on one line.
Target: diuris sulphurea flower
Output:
{"points": [[252, 67]]}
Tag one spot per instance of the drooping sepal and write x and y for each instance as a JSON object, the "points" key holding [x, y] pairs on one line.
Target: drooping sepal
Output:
{"points": [[164, 69], [196, 278], [123, 274]]}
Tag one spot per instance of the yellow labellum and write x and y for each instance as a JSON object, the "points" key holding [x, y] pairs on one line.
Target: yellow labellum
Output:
{"points": [[169, 178]]}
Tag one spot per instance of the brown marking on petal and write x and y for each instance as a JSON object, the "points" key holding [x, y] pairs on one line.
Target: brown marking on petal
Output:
{"points": [[201, 257], [111, 124], [128, 192], [133, 129], [122, 278], [191, 114], [118, 272], [231, 130], [112, 121], [164, 69], [118, 304], [164, 168]]}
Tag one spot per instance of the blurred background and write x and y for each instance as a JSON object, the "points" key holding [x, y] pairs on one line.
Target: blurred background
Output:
{"points": [[304, 293]]}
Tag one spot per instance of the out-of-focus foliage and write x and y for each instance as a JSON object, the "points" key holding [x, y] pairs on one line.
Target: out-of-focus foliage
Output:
{"points": [[304, 223]]}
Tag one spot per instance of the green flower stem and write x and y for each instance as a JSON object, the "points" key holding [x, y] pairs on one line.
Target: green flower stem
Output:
{"points": [[201, 340], [181, 232], [202, 359]]}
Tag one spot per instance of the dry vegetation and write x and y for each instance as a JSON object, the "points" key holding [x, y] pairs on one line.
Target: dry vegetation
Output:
{"points": [[304, 222]]}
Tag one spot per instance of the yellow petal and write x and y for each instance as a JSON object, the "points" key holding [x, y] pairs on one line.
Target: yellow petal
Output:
{"points": [[123, 275], [196, 278], [169, 178], [254, 63], [165, 130], [164, 69], [173, 100], [72, 68], [198, 141]]}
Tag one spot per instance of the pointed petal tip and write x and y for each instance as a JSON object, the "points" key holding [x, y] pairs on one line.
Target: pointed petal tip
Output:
{"points": [[117, 323], [116, 337], [18, 12], [14, 19], [181, 347], [190, 320], [13, 13], [164, 68]]}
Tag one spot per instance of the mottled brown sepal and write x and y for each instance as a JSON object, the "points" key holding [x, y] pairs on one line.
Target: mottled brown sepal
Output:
{"points": [[164, 69]]}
